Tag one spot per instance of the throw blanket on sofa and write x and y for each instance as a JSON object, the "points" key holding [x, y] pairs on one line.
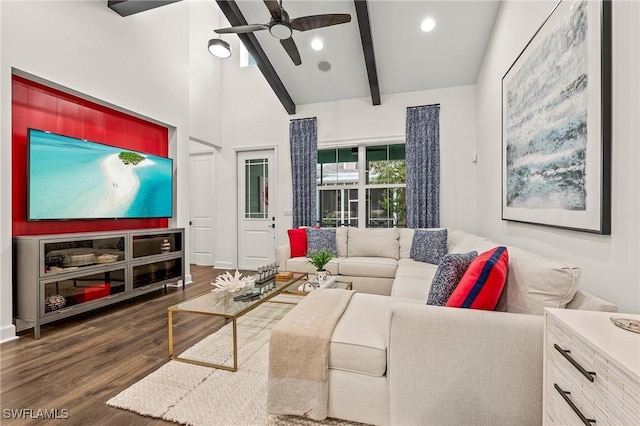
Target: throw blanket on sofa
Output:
{"points": [[299, 355]]}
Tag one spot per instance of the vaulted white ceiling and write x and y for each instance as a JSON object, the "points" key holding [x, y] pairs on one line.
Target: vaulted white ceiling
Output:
{"points": [[406, 58]]}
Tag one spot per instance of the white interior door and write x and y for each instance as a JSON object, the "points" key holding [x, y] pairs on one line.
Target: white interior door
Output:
{"points": [[256, 221], [202, 208]]}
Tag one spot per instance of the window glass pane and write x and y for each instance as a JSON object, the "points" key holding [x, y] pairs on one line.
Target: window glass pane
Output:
{"points": [[256, 188], [327, 174], [376, 153], [337, 166], [338, 207], [348, 155], [386, 207], [386, 164], [328, 204], [348, 172], [396, 152], [351, 218], [326, 156]]}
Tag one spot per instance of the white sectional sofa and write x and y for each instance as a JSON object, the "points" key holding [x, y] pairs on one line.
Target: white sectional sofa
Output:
{"points": [[395, 360]]}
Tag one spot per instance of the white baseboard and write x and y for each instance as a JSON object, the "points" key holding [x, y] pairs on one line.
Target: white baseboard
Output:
{"points": [[8, 333], [187, 280], [224, 265]]}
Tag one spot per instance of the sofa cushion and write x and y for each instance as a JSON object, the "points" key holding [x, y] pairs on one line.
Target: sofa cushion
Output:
{"points": [[461, 242], [321, 238], [300, 264], [450, 271], [411, 288], [405, 239], [369, 267], [373, 243], [341, 240], [429, 245], [413, 279], [413, 269], [482, 283], [359, 341], [535, 282], [298, 242]]}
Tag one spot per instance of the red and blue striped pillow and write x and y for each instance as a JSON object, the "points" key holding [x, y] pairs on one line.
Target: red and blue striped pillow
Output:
{"points": [[482, 284]]}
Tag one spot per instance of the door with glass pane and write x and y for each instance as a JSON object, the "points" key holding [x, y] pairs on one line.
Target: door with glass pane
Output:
{"points": [[256, 221]]}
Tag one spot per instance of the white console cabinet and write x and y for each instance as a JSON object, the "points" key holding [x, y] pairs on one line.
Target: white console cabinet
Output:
{"points": [[58, 276], [591, 369]]}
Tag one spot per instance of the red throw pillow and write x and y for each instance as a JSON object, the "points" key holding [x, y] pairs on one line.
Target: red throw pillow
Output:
{"points": [[298, 242], [482, 284]]}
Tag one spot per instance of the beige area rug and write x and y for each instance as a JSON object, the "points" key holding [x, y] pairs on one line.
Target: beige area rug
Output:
{"points": [[195, 395]]}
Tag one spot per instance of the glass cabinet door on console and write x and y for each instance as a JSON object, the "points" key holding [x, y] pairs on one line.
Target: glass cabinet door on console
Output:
{"points": [[156, 272], [67, 256], [156, 243], [68, 292]]}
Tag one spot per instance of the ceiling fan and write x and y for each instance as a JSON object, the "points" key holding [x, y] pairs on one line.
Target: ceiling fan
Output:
{"points": [[281, 26]]}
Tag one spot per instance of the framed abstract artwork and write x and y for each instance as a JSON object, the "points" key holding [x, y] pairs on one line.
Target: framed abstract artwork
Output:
{"points": [[556, 122]]}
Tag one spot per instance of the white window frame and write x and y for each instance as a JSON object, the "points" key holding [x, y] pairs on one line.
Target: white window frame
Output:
{"points": [[362, 186]]}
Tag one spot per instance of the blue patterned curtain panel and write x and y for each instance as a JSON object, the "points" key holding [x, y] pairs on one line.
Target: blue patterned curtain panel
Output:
{"points": [[303, 142], [423, 166]]}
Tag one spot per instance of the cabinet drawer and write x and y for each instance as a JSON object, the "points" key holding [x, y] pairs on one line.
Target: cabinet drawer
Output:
{"points": [[598, 389]]}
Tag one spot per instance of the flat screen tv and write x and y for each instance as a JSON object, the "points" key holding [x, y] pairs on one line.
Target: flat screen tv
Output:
{"points": [[71, 178]]}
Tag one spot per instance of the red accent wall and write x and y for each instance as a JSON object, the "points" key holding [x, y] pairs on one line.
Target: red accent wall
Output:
{"points": [[40, 107]]}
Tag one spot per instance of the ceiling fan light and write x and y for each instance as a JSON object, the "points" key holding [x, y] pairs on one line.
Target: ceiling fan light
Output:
{"points": [[219, 48], [280, 31], [428, 25], [316, 44]]}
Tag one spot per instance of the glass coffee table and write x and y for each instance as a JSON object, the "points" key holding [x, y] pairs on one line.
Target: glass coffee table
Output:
{"points": [[305, 286], [222, 305]]}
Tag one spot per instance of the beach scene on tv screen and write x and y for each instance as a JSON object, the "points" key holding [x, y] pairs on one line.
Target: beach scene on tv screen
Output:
{"points": [[75, 179]]}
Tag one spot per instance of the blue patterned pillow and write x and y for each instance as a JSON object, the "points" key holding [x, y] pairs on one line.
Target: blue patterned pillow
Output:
{"points": [[449, 273], [321, 238], [429, 246]]}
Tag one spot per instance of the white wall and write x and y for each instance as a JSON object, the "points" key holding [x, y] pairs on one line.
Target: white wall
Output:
{"points": [[7, 330], [140, 63], [254, 117], [609, 263], [205, 74]]}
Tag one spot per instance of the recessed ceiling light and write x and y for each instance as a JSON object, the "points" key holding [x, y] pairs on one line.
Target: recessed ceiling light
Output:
{"points": [[317, 44], [324, 65], [428, 24]]}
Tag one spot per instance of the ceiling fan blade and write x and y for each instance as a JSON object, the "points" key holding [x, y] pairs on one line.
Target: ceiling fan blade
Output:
{"points": [[240, 29], [274, 9], [290, 46], [312, 22]]}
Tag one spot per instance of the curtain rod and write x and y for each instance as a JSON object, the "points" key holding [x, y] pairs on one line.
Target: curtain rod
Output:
{"points": [[308, 118], [419, 106]]}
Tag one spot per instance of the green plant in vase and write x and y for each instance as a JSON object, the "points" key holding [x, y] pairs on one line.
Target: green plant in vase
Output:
{"points": [[319, 259]]}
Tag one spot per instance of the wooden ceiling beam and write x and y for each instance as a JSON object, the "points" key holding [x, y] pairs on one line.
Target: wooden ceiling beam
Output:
{"points": [[129, 7], [234, 16], [364, 23]]}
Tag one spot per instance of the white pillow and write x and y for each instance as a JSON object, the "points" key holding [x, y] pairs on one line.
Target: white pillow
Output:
{"points": [[373, 243]]}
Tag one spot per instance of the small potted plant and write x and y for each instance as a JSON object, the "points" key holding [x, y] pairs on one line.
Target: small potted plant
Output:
{"points": [[319, 259]]}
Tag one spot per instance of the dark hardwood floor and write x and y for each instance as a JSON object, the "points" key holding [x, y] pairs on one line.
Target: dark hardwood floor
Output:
{"points": [[80, 363]]}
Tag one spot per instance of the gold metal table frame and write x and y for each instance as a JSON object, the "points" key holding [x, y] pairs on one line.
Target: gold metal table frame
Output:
{"points": [[223, 305]]}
